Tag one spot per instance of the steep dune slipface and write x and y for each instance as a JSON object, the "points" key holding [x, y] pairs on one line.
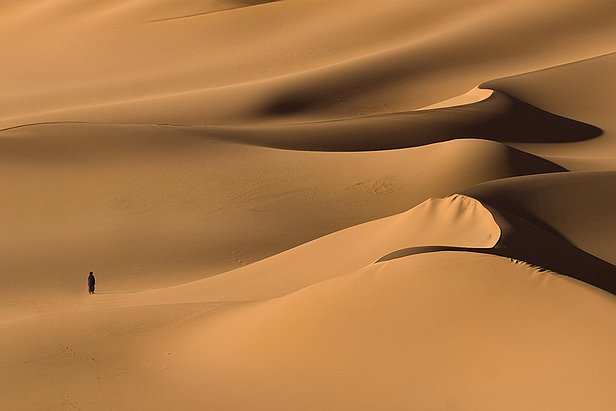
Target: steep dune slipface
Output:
{"points": [[579, 207], [534, 243], [583, 91], [499, 118]]}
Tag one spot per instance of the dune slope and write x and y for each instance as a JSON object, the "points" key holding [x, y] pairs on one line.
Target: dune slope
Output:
{"points": [[369, 339]]}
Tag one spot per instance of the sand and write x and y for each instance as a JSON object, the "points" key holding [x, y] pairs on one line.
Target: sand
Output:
{"points": [[307, 205]]}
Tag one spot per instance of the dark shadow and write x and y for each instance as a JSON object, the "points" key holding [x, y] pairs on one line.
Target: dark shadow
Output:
{"points": [[508, 194], [515, 121], [500, 118], [286, 105], [505, 205], [521, 240]]}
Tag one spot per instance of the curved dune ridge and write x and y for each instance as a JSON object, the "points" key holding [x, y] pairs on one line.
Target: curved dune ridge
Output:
{"points": [[474, 95], [456, 221], [499, 118], [307, 205], [524, 241]]}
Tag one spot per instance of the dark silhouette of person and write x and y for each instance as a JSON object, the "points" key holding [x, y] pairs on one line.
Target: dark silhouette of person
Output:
{"points": [[91, 283]]}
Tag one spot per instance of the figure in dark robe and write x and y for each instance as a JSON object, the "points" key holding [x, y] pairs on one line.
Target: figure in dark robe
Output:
{"points": [[91, 283]]}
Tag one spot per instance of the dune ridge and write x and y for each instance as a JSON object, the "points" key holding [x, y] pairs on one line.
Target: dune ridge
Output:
{"points": [[523, 241]]}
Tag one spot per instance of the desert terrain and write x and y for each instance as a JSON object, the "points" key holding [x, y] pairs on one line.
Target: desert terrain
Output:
{"points": [[308, 205]]}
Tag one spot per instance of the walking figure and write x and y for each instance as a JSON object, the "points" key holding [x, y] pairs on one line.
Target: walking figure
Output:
{"points": [[91, 283]]}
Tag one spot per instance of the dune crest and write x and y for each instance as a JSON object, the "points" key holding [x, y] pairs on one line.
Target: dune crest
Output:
{"points": [[455, 221], [533, 243], [474, 95]]}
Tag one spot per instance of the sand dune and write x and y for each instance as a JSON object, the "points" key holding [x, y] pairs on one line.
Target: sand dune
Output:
{"points": [[339, 344], [498, 118], [474, 95], [582, 91], [454, 221], [341, 328], [534, 243], [368, 315], [301, 56], [307, 205], [174, 201], [586, 222]]}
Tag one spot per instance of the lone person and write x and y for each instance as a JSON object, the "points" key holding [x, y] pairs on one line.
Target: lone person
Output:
{"points": [[91, 283]]}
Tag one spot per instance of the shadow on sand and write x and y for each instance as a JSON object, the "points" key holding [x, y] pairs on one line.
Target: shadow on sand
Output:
{"points": [[524, 241], [500, 118]]}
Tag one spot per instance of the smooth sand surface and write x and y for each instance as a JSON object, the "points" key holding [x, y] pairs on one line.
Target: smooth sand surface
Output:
{"points": [[308, 205]]}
